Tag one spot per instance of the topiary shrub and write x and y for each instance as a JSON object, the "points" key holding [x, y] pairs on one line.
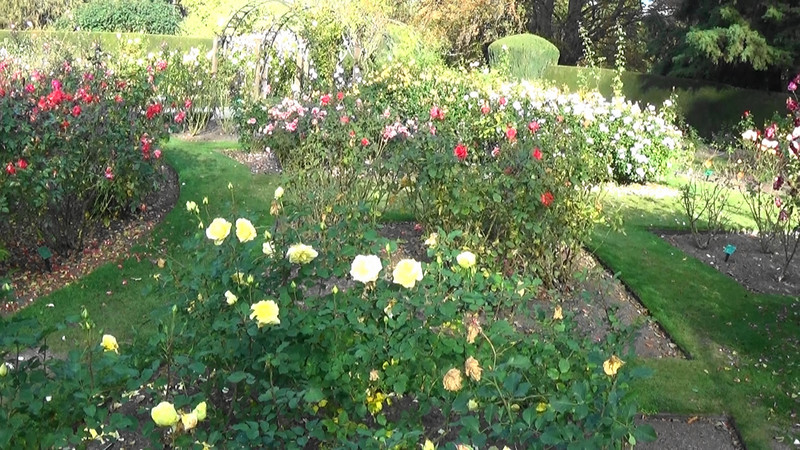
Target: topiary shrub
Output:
{"points": [[143, 16], [523, 55]]}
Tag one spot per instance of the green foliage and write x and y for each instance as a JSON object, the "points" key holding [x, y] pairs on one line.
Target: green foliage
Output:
{"points": [[405, 43], [140, 16], [747, 44], [40, 13], [528, 55]]}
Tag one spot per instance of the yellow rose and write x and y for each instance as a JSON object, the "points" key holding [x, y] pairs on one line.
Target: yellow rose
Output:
{"points": [[265, 312], [301, 254], [428, 445], [473, 327], [278, 193], [472, 405], [473, 369], [239, 278], [189, 421], [3, 369], [230, 298], [558, 314], [164, 415], [205, 200], [109, 343], [407, 273], [218, 230], [612, 365], [374, 375], [267, 248], [432, 240], [245, 230], [365, 268], [452, 380], [200, 411], [541, 407], [192, 207], [466, 260]]}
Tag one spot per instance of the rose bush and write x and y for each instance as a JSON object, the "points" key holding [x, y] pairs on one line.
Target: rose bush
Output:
{"points": [[81, 144]]}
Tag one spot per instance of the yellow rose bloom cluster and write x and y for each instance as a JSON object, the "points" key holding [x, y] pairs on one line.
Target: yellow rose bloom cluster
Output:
{"points": [[109, 343], [301, 254], [466, 260], [165, 415], [612, 365], [365, 268], [230, 298], [218, 230], [245, 231], [265, 312], [407, 272]]}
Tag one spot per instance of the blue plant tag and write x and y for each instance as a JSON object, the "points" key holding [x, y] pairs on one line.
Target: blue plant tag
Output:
{"points": [[729, 249]]}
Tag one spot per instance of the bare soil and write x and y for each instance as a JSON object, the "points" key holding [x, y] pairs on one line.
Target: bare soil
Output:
{"points": [[749, 265]]}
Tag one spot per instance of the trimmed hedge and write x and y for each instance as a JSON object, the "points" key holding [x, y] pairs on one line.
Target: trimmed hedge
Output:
{"points": [[528, 55], [110, 41], [134, 16], [708, 107]]}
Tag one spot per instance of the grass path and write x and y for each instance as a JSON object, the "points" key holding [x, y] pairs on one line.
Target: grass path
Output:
{"points": [[742, 351]]}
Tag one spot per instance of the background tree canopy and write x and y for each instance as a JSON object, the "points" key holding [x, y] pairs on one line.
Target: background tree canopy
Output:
{"points": [[747, 43]]}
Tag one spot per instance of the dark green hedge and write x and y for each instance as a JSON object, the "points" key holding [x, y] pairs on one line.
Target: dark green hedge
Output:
{"points": [[133, 16], [109, 41], [708, 107], [528, 55]]}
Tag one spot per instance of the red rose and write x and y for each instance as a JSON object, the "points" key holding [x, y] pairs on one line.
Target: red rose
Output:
{"points": [[109, 174], [325, 99], [460, 152], [746, 114], [511, 134], [352, 134], [364, 142], [157, 154], [339, 95], [187, 103], [547, 198], [503, 101], [161, 65], [496, 152], [10, 169], [30, 88], [485, 109], [180, 116], [76, 111], [437, 113], [22, 164], [534, 126], [344, 119], [537, 154]]}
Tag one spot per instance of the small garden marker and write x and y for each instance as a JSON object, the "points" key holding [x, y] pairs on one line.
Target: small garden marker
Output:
{"points": [[729, 249]]}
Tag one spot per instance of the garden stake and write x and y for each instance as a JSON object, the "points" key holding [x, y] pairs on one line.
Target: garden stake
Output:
{"points": [[729, 249]]}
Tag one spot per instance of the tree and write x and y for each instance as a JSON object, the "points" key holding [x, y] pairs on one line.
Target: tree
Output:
{"points": [[38, 12], [559, 20], [746, 43]]}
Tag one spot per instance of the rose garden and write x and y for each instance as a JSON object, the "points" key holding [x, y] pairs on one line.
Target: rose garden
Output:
{"points": [[276, 241]]}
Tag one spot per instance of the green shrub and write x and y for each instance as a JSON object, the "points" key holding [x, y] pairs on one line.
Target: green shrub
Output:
{"points": [[143, 16], [108, 41], [525, 55]]}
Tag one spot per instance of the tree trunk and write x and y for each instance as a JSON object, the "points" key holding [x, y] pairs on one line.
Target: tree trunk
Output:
{"points": [[541, 21], [572, 47]]}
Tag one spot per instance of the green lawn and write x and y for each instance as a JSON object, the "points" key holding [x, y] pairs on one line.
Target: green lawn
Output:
{"points": [[741, 354]]}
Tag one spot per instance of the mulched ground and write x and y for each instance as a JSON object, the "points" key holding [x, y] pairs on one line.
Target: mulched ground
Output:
{"points": [[749, 265]]}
